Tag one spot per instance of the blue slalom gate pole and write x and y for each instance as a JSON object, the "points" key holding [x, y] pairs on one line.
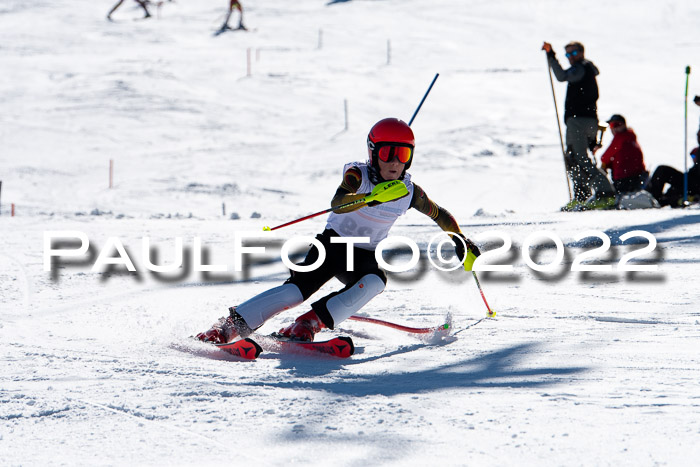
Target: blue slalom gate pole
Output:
{"points": [[426, 95]]}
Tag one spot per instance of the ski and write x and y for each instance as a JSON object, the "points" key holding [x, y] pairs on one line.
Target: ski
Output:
{"points": [[341, 347], [223, 29], [249, 349], [443, 328], [245, 348]]}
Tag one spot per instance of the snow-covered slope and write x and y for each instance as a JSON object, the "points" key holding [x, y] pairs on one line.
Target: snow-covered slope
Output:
{"points": [[577, 369]]}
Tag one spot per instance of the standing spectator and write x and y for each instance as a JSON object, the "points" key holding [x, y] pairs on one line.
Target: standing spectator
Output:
{"points": [[624, 157], [234, 5], [665, 175], [581, 119]]}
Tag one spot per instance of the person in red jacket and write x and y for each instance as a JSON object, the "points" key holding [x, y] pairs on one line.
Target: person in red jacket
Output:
{"points": [[624, 157]]}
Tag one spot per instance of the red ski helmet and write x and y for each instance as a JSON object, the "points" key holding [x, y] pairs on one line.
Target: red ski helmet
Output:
{"points": [[391, 133]]}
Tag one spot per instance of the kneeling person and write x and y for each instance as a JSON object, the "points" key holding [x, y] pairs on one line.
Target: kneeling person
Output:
{"points": [[624, 157]]}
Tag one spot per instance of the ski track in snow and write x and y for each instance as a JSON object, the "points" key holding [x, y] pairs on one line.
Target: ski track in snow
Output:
{"points": [[99, 369]]}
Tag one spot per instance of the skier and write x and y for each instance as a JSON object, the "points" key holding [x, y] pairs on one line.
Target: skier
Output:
{"points": [[581, 119], [665, 175], [119, 3], [390, 145], [624, 157], [234, 5]]}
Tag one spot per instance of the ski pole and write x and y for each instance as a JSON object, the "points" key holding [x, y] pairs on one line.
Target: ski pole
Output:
{"points": [[366, 319], [382, 193], [598, 141], [685, 139], [490, 313], [468, 264], [601, 133], [352, 203], [346, 205], [561, 138], [423, 100]]}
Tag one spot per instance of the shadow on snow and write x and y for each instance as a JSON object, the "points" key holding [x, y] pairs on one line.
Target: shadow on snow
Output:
{"points": [[656, 228], [498, 369]]}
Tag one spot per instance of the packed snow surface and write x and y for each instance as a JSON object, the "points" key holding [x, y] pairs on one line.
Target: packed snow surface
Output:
{"points": [[213, 136]]}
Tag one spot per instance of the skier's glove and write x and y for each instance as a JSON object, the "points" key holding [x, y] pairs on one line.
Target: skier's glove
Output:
{"points": [[547, 47], [459, 246], [387, 191], [470, 255]]}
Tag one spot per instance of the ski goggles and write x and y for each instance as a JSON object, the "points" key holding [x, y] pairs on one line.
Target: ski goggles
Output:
{"points": [[386, 152], [573, 53], [615, 124]]}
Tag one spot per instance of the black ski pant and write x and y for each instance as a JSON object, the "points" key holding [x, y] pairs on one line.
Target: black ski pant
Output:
{"points": [[631, 184], [335, 265], [585, 176], [665, 175]]}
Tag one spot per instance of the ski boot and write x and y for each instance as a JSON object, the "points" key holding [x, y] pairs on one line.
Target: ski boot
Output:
{"points": [[599, 203], [573, 205], [304, 327], [226, 329]]}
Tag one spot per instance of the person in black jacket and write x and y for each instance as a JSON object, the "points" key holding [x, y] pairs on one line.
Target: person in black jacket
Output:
{"points": [[581, 119]]}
